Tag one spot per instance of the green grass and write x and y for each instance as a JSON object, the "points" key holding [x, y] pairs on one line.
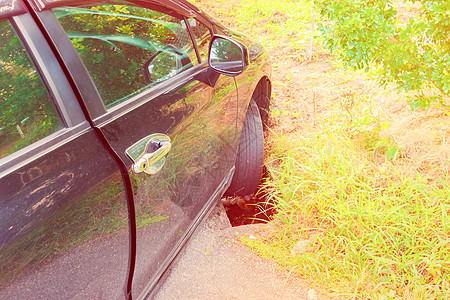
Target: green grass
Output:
{"points": [[374, 232], [270, 23], [377, 233]]}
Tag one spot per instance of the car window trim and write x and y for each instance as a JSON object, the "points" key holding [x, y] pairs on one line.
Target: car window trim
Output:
{"points": [[149, 94], [18, 159], [168, 6], [49, 71], [78, 72], [191, 33], [56, 85]]}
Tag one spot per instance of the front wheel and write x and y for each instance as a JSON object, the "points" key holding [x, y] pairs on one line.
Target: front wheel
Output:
{"points": [[249, 161]]}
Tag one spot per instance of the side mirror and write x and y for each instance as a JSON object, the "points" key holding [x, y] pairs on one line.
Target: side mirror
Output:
{"points": [[164, 64], [227, 56]]}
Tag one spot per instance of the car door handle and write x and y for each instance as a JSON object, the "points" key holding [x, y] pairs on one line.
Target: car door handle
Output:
{"points": [[149, 153]]}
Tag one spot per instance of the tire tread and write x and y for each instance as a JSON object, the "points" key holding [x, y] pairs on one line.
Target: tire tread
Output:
{"points": [[250, 156]]}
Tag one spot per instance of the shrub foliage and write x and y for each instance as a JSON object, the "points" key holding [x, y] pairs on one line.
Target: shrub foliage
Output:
{"points": [[411, 50]]}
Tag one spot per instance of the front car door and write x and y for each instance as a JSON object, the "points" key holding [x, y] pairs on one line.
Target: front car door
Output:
{"points": [[146, 63]]}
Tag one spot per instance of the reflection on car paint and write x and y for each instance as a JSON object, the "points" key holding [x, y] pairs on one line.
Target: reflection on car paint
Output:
{"points": [[74, 200], [201, 125], [64, 218]]}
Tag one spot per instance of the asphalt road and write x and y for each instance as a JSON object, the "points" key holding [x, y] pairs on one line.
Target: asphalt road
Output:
{"points": [[214, 265]]}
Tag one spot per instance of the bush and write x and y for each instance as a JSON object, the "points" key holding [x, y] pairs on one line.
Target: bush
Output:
{"points": [[414, 54]]}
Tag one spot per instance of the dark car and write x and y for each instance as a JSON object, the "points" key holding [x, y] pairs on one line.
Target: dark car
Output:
{"points": [[121, 126]]}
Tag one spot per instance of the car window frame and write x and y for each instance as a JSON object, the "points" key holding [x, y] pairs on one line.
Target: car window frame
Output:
{"points": [[59, 91], [191, 33], [90, 95]]}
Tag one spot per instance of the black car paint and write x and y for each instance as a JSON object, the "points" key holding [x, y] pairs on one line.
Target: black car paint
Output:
{"points": [[57, 171], [54, 207]]}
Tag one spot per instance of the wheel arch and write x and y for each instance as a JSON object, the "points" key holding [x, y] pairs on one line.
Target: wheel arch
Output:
{"points": [[262, 95]]}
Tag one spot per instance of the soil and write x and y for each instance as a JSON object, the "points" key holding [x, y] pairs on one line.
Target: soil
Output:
{"points": [[306, 84], [304, 90]]}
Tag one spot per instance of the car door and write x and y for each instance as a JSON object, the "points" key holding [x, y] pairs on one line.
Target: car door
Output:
{"points": [[64, 227], [170, 119]]}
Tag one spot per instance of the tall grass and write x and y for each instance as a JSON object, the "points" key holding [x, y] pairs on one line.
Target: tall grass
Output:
{"points": [[374, 232]]}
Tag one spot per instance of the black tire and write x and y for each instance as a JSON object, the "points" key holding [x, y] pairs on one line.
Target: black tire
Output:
{"points": [[249, 160]]}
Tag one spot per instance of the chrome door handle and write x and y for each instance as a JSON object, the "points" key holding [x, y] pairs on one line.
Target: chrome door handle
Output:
{"points": [[148, 154]]}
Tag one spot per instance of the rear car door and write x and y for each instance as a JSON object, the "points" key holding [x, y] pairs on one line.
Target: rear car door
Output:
{"points": [[64, 227], [170, 119]]}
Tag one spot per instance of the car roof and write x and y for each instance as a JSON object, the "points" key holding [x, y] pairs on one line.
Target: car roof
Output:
{"points": [[178, 6], [9, 8]]}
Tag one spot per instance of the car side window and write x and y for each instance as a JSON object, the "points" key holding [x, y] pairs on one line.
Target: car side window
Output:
{"points": [[202, 36], [126, 48], [27, 112]]}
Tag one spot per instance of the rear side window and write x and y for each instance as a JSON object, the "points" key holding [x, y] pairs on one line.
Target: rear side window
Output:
{"points": [[126, 48], [27, 112]]}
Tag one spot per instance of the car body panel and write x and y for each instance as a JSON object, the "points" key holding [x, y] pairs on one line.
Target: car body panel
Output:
{"points": [[55, 217], [201, 155], [77, 198]]}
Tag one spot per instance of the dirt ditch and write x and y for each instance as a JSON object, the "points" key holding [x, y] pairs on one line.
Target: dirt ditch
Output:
{"points": [[251, 209]]}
